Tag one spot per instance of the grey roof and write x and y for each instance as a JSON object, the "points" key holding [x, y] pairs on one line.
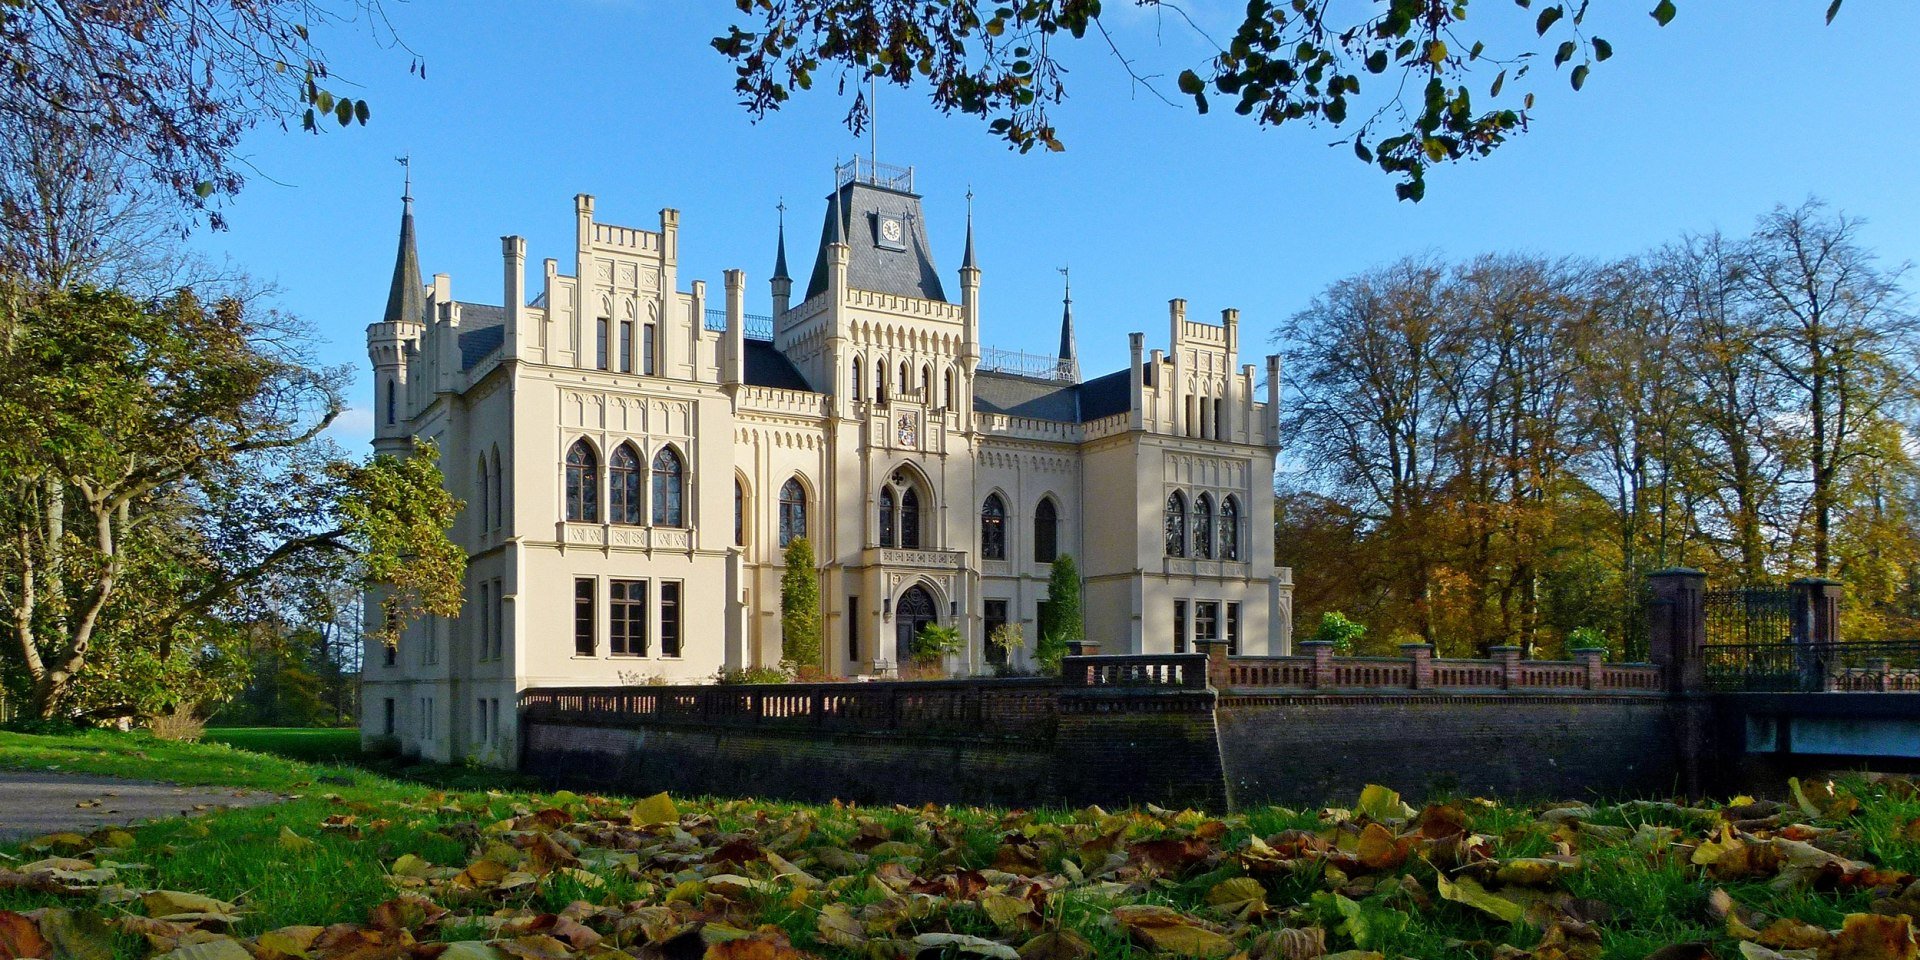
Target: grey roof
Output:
{"points": [[1042, 399], [1104, 396], [407, 297], [768, 367], [907, 273], [780, 252], [483, 328]]}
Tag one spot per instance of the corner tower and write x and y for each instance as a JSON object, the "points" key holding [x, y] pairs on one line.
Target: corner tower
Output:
{"points": [[392, 342]]}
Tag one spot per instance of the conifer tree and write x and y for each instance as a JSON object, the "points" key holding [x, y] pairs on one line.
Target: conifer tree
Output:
{"points": [[800, 607], [1063, 624]]}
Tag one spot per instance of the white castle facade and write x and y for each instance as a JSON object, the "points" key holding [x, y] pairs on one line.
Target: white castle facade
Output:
{"points": [[635, 456]]}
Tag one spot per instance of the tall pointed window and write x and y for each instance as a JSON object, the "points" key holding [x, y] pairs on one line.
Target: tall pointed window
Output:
{"points": [[626, 346], [857, 379], [739, 512], [393, 402], [906, 382], [910, 518], [1046, 532], [1203, 526], [946, 389], [646, 348], [879, 382], [600, 343], [625, 487], [499, 491], [484, 501], [793, 511], [886, 516], [993, 528], [1176, 523], [583, 483], [668, 484], [1230, 528]]}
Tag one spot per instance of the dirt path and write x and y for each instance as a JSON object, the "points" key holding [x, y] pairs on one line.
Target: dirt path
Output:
{"points": [[36, 803]]}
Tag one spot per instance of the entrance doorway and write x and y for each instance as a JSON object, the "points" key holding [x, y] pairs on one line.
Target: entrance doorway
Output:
{"points": [[915, 610]]}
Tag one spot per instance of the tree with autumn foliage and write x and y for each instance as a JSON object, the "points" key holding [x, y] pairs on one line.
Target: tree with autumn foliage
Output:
{"points": [[163, 483]]}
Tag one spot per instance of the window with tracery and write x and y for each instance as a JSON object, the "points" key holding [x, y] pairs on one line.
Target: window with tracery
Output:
{"points": [[793, 511], [1176, 524], [1230, 528], [1203, 526], [993, 528], [624, 487], [669, 483], [583, 483]]}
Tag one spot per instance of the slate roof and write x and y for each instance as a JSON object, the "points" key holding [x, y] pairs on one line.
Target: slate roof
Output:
{"points": [[483, 328], [768, 367], [908, 273], [406, 298], [1017, 396]]}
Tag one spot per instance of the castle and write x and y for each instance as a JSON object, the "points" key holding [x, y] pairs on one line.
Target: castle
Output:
{"points": [[635, 458]]}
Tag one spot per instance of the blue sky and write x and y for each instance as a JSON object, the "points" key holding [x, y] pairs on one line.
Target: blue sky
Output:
{"points": [[1704, 124]]}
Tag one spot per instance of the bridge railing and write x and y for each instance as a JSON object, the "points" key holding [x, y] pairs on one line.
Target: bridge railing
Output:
{"points": [[1319, 669], [1173, 671], [1783, 667]]}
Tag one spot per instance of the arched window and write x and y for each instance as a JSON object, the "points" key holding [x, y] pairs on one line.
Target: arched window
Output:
{"points": [[857, 395], [910, 518], [906, 384], [886, 516], [499, 491], [483, 501], [1203, 526], [926, 383], [879, 382], [946, 389], [1046, 532], [625, 487], [393, 402], [583, 483], [1229, 528], [739, 512], [669, 482], [1176, 524], [993, 528], [793, 511]]}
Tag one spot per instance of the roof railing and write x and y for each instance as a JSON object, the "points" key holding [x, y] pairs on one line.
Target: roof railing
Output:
{"points": [[885, 175], [1020, 363], [759, 327]]}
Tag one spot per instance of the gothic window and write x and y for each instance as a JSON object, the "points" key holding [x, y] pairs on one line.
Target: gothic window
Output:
{"points": [[1203, 526], [1176, 524], [946, 389], [481, 502], [910, 519], [886, 516], [393, 402], [600, 343], [626, 346], [1046, 532], [646, 348], [625, 489], [993, 528], [1230, 528], [583, 483], [906, 384], [668, 484], [739, 513], [793, 511], [926, 383], [499, 492], [856, 379], [879, 382]]}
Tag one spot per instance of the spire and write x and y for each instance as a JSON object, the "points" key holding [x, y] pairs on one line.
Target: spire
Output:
{"points": [[839, 230], [1069, 355], [406, 299], [780, 252], [966, 260]]}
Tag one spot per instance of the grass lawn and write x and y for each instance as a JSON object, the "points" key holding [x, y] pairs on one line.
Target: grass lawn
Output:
{"points": [[313, 744], [548, 877]]}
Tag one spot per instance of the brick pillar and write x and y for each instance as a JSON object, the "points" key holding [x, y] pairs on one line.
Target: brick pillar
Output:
{"points": [[1677, 626], [1816, 628], [1322, 653], [1422, 656], [1216, 651], [1509, 659], [1592, 658]]}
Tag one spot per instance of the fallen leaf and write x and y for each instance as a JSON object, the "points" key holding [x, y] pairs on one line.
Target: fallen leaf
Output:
{"points": [[836, 927], [218, 948], [1242, 898], [77, 935], [1468, 891], [966, 943], [1056, 945], [20, 938], [653, 810], [1289, 943], [1382, 804], [1866, 936]]}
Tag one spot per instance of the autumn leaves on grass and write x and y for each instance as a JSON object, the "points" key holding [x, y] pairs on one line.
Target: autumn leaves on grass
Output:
{"points": [[587, 878]]}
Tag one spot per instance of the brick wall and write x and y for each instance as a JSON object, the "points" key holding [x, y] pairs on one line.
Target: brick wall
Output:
{"points": [[1313, 749]]}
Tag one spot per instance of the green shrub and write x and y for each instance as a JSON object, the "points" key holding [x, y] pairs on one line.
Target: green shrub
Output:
{"points": [[1336, 629], [1590, 638], [800, 607], [935, 641], [1062, 625], [753, 675]]}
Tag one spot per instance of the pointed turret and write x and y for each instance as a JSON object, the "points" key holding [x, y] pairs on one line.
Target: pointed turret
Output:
{"points": [[405, 299], [966, 259], [782, 284], [1069, 354]]}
